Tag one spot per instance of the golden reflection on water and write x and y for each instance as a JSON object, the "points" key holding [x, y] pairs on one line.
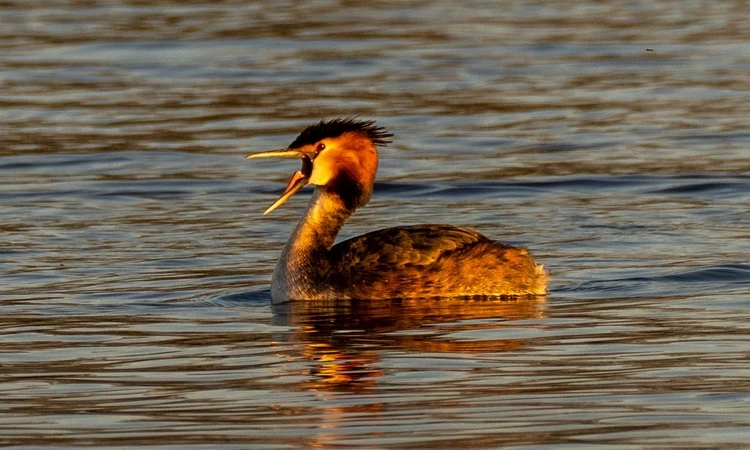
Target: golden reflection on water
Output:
{"points": [[344, 337], [125, 203]]}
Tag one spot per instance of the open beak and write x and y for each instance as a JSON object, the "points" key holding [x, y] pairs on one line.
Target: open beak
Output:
{"points": [[299, 178]]}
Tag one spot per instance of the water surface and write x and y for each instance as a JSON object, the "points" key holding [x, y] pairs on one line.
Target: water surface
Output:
{"points": [[610, 138]]}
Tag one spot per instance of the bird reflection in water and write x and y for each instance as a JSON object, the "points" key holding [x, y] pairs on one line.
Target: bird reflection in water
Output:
{"points": [[346, 338]]}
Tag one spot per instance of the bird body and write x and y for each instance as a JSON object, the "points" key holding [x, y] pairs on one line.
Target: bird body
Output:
{"points": [[340, 158]]}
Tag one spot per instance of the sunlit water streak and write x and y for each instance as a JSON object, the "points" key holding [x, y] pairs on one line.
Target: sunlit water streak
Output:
{"points": [[135, 263]]}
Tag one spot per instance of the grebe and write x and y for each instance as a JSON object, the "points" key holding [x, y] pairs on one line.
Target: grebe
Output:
{"points": [[340, 158]]}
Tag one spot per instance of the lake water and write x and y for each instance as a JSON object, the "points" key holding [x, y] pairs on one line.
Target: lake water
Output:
{"points": [[610, 138]]}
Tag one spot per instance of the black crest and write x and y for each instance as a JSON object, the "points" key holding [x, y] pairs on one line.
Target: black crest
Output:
{"points": [[337, 127]]}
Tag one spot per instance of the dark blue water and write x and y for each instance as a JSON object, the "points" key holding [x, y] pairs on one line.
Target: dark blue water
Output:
{"points": [[610, 139]]}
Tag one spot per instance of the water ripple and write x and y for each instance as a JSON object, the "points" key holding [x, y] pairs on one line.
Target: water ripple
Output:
{"points": [[610, 138]]}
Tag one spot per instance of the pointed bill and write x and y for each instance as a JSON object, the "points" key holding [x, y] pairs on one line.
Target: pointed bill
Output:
{"points": [[299, 179], [297, 182], [280, 153]]}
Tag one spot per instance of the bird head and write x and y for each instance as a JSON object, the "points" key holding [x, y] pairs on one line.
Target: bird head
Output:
{"points": [[339, 156]]}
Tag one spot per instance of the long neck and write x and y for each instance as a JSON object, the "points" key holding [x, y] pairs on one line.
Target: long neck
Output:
{"points": [[321, 222], [304, 257]]}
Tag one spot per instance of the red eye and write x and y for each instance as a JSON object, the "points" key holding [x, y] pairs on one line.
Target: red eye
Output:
{"points": [[321, 146]]}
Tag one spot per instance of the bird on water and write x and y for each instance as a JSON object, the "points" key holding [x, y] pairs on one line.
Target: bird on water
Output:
{"points": [[340, 158]]}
